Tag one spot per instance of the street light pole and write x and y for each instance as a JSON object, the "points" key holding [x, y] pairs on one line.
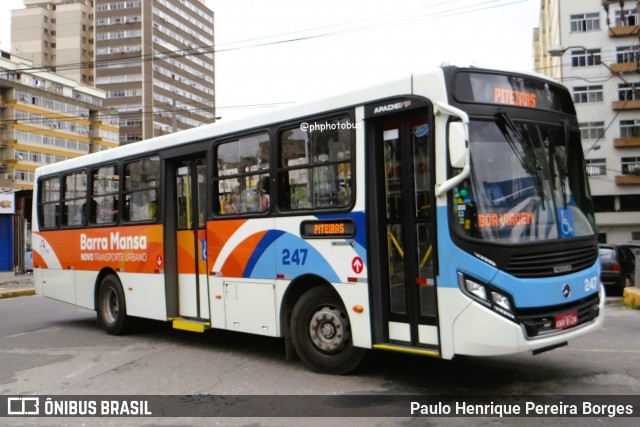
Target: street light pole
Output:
{"points": [[557, 51]]}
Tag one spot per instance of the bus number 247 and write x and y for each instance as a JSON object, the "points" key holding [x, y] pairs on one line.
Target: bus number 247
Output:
{"points": [[297, 256]]}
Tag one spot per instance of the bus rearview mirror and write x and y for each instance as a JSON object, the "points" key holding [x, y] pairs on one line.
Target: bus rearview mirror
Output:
{"points": [[457, 144]]}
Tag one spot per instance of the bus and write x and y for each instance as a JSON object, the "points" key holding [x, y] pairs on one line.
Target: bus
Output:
{"points": [[446, 213]]}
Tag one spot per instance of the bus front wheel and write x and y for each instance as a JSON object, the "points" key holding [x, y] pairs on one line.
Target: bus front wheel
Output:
{"points": [[112, 310], [321, 333]]}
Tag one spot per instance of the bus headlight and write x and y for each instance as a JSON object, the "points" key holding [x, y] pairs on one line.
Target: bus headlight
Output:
{"points": [[476, 289], [501, 304], [497, 301]]}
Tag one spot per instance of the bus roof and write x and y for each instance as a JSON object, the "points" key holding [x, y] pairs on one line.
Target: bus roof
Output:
{"points": [[402, 86], [409, 85]]}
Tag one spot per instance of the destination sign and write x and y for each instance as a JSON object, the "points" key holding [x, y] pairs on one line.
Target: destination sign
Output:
{"points": [[511, 90], [514, 97], [344, 228]]}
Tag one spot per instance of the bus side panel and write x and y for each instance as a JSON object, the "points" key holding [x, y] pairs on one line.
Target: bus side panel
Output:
{"points": [[133, 249], [85, 288], [53, 256], [240, 257], [338, 260], [135, 255], [144, 295]]}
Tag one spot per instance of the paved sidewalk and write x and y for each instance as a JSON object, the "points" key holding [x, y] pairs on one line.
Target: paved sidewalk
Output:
{"points": [[16, 285]]}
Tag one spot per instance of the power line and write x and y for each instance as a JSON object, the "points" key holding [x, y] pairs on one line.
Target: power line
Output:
{"points": [[206, 49]]}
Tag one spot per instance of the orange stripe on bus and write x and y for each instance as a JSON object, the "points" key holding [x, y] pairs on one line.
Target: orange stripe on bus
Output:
{"points": [[237, 261]]}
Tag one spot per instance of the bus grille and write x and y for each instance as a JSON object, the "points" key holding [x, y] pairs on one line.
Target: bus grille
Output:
{"points": [[554, 263], [538, 323]]}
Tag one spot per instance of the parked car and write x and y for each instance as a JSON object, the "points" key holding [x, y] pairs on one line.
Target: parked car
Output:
{"points": [[634, 245], [618, 266]]}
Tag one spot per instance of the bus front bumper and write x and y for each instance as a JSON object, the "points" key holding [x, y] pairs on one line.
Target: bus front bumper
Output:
{"points": [[478, 331]]}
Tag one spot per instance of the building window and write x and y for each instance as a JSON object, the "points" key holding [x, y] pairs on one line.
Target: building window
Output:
{"points": [[582, 58], [629, 91], [596, 167], [585, 22], [583, 94], [629, 128], [604, 203], [630, 165], [630, 202], [626, 54], [131, 137], [591, 130], [626, 18]]}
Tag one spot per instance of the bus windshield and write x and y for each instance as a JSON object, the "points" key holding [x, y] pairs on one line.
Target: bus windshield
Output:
{"points": [[527, 183]]}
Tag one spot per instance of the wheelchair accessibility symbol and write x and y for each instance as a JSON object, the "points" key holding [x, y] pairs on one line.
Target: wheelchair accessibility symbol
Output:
{"points": [[565, 218]]}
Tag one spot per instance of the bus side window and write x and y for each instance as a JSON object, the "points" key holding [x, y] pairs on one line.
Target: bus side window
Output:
{"points": [[242, 165], [315, 165], [141, 190], [104, 195], [75, 197]]}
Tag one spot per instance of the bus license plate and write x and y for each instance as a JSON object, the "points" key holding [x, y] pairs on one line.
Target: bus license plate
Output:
{"points": [[567, 320]]}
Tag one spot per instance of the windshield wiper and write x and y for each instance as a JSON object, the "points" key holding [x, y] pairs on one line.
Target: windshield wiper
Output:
{"points": [[563, 168], [527, 159]]}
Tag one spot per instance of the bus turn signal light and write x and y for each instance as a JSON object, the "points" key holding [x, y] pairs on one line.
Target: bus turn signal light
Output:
{"points": [[358, 308]]}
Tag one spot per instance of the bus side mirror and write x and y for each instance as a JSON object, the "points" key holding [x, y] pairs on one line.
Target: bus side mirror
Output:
{"points": [[457, 144]]}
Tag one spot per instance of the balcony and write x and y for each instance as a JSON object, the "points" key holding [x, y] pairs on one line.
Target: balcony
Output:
{"points": [[631, 104], [624, 67], [626, 142], [625, 31], [628, 179]]}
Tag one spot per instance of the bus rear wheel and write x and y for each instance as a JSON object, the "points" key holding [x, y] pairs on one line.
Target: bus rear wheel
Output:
{"points": [[321, 333], [112, 310]]}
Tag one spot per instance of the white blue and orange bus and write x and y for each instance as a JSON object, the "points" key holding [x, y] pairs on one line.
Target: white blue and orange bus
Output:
{"points": [[446, 213]]}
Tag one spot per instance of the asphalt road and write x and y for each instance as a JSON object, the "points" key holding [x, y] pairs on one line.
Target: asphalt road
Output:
{"points": [[52, 348]]}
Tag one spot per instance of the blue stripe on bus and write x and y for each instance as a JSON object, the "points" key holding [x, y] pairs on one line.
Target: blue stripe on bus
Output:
{"points": [[287, 254], [270, 237]]}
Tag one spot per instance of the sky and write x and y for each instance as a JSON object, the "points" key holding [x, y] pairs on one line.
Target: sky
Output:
{"points": [[278, 52]]}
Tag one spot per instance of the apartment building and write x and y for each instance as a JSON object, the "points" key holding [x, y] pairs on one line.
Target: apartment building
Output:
{"points": [[593, 48], [44, 118], [155, 61], [57, 34]]}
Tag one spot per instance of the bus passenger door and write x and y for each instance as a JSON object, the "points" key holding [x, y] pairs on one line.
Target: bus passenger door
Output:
{"points": [[403, 215], [190, 240]]}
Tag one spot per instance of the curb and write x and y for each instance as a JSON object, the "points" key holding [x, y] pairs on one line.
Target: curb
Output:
{"points": [[17, 293], [631, 297]]}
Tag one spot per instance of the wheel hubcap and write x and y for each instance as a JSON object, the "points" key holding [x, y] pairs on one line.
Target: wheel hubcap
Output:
{"points": [[112, 306], [328, 329]]}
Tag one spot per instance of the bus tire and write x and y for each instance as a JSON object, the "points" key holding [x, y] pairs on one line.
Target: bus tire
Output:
{"points": [[321, 333], [111, 307]]}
